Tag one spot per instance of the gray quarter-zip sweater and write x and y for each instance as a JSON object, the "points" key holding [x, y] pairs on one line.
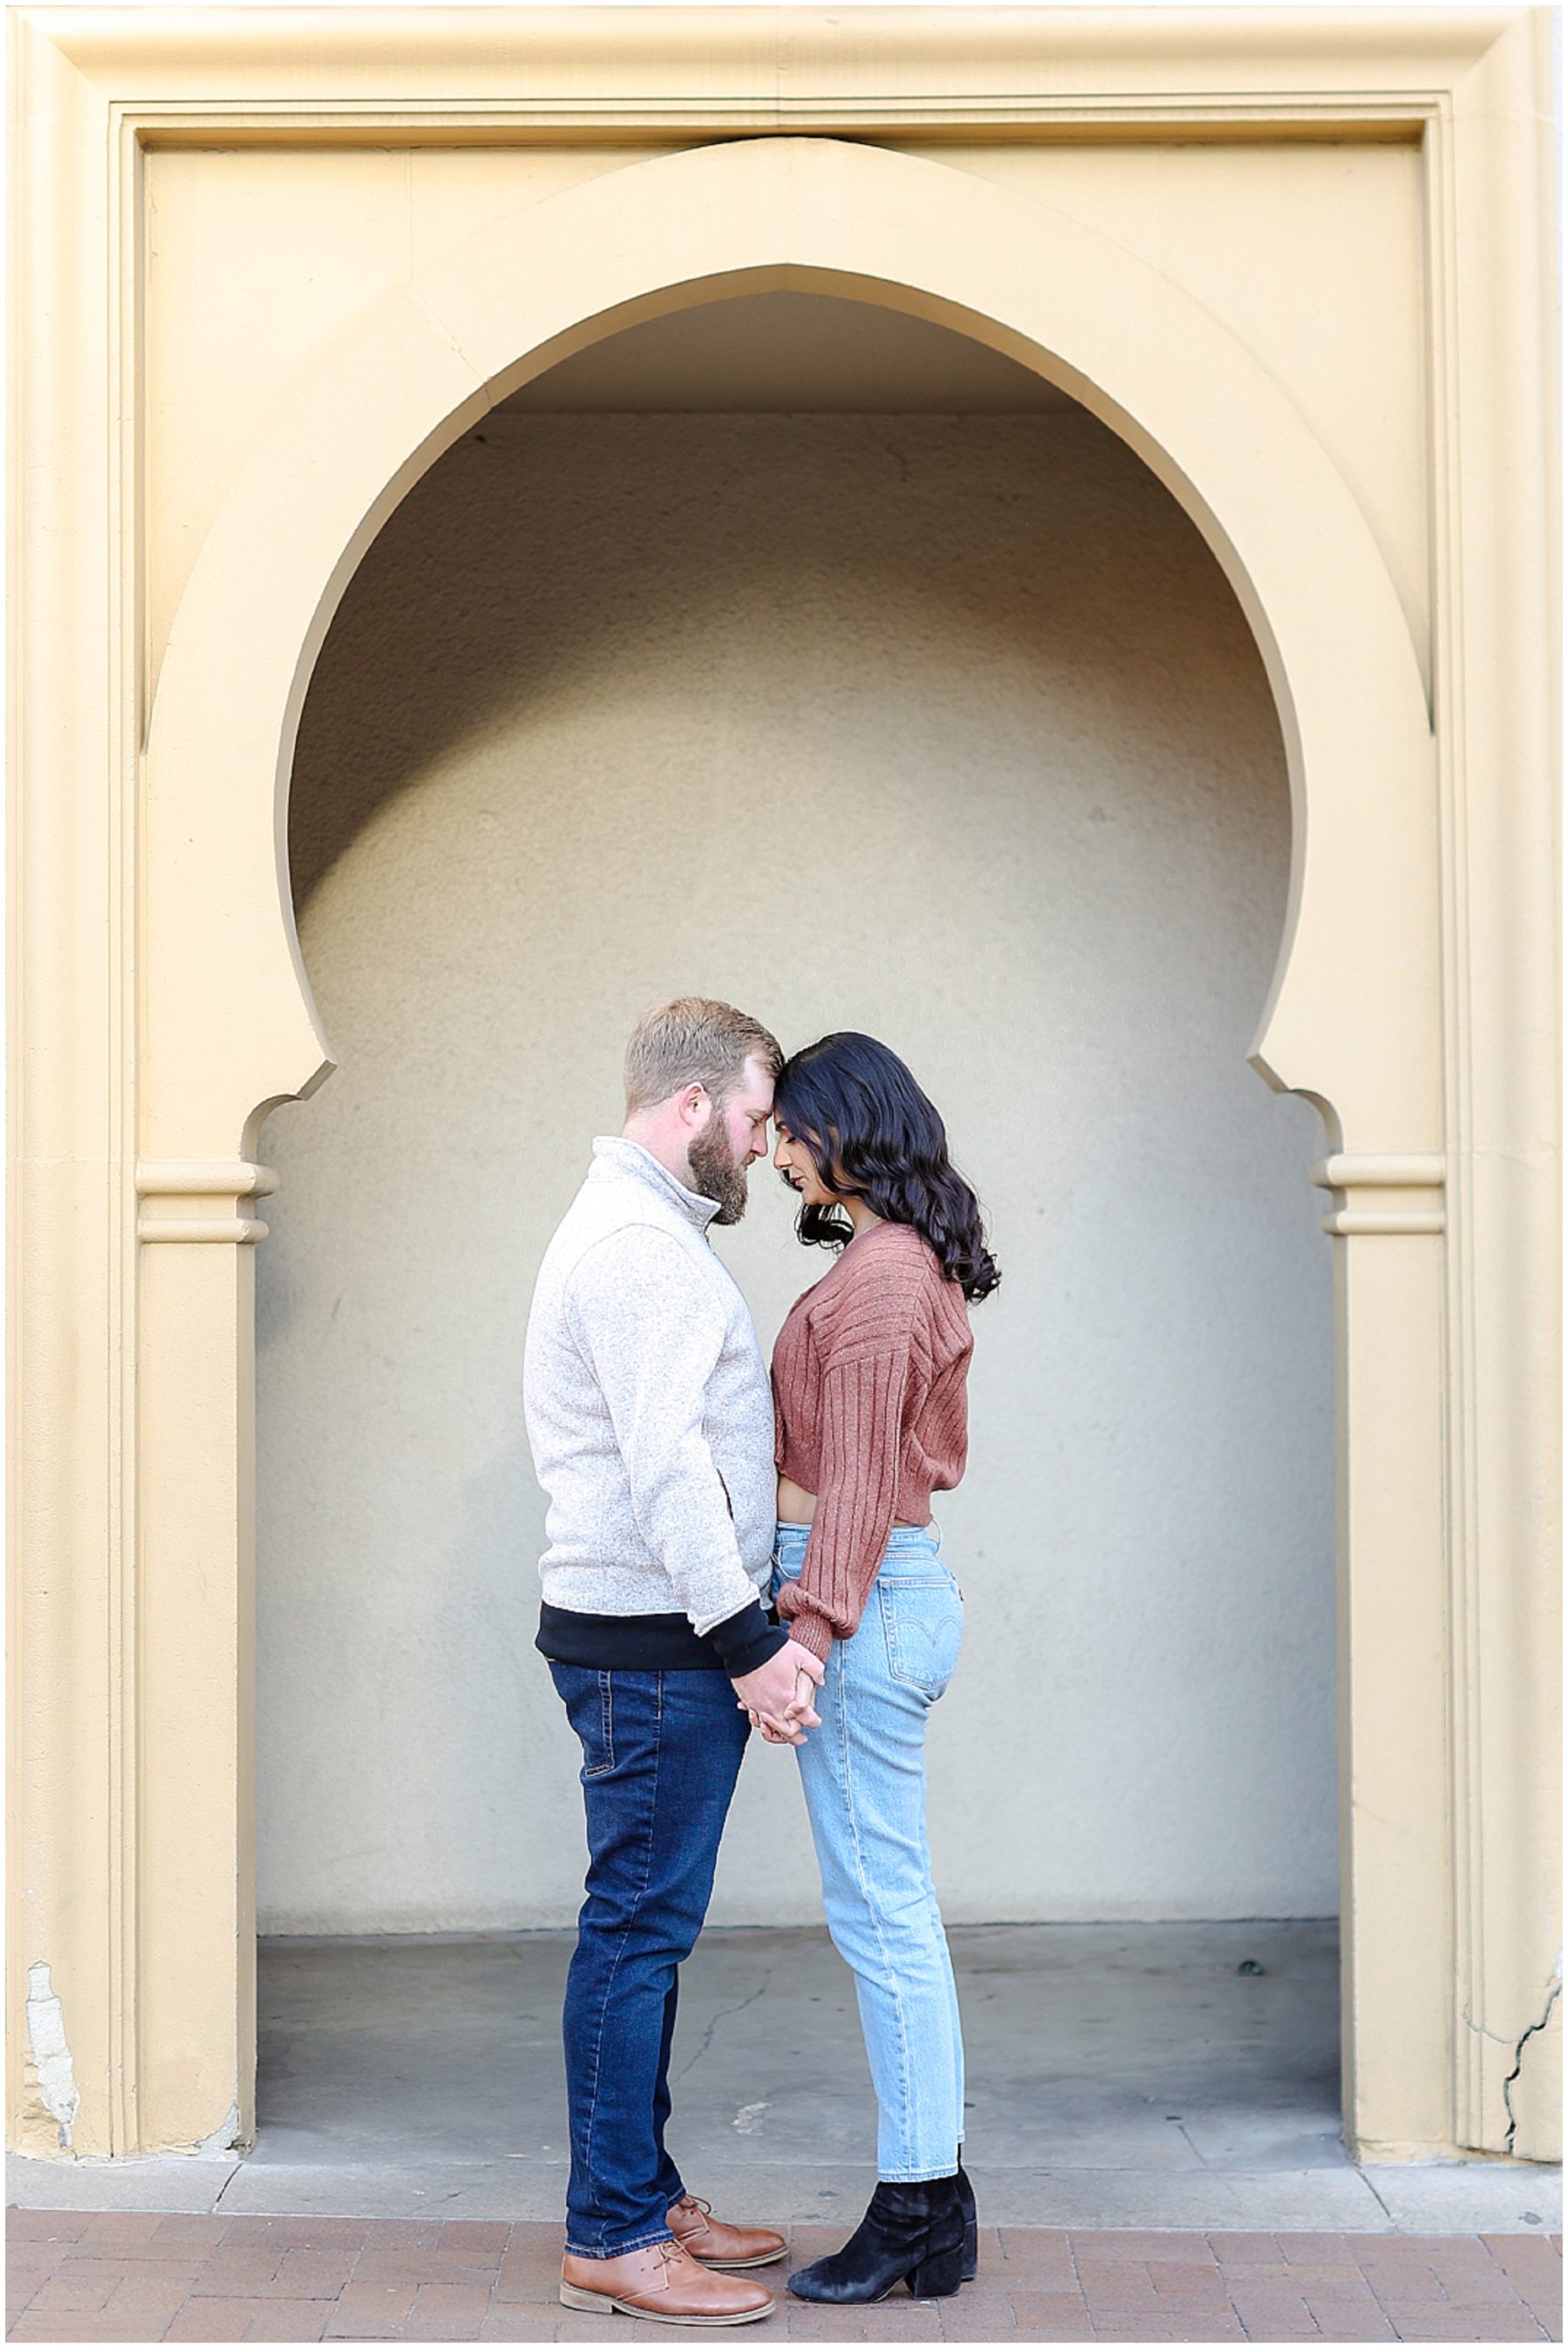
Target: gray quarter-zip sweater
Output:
{"points": [[650, 1418]]}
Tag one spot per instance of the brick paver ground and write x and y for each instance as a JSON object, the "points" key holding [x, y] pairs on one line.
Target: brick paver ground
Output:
{"points": [[75, 2276]]}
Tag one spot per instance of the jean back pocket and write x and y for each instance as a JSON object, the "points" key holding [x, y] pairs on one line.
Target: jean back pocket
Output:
{"points": [[589, 1703], [922, 1622]]}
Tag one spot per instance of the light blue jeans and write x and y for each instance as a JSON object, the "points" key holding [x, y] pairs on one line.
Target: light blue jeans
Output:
{"points": [[864, 1777]]}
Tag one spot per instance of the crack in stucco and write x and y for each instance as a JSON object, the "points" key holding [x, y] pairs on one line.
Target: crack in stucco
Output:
{"points": [[1498, 2037], [53, 2067], [1525, 2037], [222, 2139], [447, 337]]}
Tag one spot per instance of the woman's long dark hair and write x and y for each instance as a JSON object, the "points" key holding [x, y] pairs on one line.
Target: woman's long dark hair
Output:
{"points": [[874, 1135]]}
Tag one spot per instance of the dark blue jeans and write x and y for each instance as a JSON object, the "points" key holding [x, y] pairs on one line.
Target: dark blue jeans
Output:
{"points": [[661, 1751]]}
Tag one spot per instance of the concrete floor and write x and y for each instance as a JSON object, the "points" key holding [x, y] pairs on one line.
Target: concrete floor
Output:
{"points": [[1118, 2076]]}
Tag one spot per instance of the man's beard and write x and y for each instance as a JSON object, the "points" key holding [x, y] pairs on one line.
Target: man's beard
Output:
{"points": [[715, 1175]]}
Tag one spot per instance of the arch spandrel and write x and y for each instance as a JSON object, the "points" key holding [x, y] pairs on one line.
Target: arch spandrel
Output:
{"points": [[231, 1028]]}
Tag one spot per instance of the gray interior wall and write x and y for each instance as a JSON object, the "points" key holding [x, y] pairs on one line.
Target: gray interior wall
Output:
{"points": [[945, 727]]}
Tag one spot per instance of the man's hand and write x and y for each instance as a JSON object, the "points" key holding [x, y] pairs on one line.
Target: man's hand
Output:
{"points": [[779, 1693]]}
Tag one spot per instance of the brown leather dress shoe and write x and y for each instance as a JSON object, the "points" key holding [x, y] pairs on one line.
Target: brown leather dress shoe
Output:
{"points": [[708, 2238], [661, 2284]]}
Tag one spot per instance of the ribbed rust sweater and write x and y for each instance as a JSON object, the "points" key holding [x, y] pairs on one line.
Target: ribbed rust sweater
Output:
{"points": [[869, 1414]]}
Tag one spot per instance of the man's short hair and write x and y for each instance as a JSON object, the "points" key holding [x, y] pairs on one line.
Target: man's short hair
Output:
{"points": [[694, 1041]]}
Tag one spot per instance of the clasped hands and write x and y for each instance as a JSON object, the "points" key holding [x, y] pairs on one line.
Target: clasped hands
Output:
{"points": [[773, 1697]]}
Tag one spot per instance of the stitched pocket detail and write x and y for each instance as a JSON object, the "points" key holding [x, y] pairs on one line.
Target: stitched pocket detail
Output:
{"points": [[922, 1622], [599, 1753]]}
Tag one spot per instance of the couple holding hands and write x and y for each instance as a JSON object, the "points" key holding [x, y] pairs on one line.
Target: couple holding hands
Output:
{"points": [[728, 1553]]}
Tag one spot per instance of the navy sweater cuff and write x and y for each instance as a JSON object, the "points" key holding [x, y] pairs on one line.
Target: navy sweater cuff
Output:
{"points": [[746, 1641]]}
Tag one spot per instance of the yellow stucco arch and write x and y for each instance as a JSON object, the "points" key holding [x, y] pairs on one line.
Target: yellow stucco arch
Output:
{"points": [[230, 1027], [160, 1006]]}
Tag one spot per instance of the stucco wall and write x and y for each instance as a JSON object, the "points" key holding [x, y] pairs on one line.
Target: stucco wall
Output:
{"points": [[943, 727]]}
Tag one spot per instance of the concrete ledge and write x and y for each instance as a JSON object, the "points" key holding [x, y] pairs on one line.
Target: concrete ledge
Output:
{"points": [[1479, 2197], [1178, 2076]]}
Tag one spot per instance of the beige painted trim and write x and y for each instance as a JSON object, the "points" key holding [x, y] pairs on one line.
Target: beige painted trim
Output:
{"points": [[131, 1833], [1347, 1222], [235, 1231], [1418, 1169], [180, 1181], [1498, 624], [194, 1176], [1286, 70], [1380, 1172]]}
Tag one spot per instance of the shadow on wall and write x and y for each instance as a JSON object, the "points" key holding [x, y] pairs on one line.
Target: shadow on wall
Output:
{"points": [[469, 608]]}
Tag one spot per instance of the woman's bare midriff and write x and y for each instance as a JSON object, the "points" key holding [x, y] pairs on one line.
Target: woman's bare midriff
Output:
{"points": [[797, 1506]]}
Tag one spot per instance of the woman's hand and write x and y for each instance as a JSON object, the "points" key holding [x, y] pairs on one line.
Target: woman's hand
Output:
{"points": [[772, 1734], [777, 1696]]}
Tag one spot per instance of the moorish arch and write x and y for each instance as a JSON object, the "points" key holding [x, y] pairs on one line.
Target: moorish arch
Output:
{"points": [[230, 1030], [419, 367]]}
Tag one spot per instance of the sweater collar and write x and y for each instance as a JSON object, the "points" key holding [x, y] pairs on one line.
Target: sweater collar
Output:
{"points": [[629, 1158]]}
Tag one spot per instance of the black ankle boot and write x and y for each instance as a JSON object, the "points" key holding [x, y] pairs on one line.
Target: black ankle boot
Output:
{"points": [[971, 2254], [911, 2233]]}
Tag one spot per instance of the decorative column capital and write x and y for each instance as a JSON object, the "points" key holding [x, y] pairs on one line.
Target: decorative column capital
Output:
{"points": [[170, 1189], [1380, 1172]]}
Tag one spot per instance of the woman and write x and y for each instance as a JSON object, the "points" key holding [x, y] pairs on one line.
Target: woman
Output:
{"points": [[868, 1382]]}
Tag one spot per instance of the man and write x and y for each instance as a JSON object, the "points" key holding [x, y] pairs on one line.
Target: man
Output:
{"points": [[651, 1422]]}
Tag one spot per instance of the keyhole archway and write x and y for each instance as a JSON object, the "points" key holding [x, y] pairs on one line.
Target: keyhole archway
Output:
{"points": [[816, 657], [231, 1030]]}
